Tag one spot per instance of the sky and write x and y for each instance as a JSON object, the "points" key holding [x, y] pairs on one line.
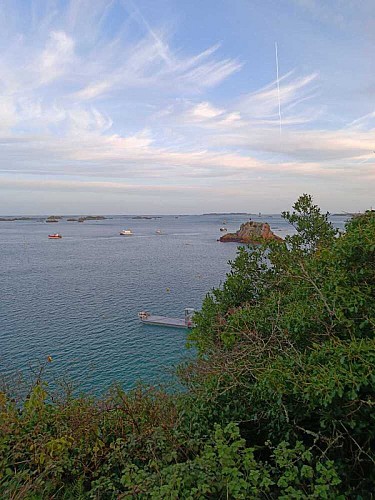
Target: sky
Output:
{"points": [[175, 106]]}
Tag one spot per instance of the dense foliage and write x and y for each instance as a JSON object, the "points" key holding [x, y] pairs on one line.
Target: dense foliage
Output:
{"points": [[278, 404]]}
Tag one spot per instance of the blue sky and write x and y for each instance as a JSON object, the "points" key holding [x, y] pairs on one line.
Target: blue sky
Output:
{"points": [[117, 106]]}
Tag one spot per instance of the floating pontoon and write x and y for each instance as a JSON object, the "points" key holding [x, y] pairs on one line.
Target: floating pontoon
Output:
{"points": [[151, 319]]}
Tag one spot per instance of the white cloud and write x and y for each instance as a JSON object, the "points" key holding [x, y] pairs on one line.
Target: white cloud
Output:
{"points": [[264, 103], [363, 122], [151, 63], [92, 186], [8, 115], [94, 90], [56, 57], [205, 110]]}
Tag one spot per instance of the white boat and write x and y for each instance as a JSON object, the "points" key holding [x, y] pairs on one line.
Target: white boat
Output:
{"points": [[126, 232], [223, 229], [158, 231]]}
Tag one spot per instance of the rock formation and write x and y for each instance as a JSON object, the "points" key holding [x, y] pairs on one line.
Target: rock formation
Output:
{"points": [[251, 232], [95, 217], [12, 219], [87, 217]]}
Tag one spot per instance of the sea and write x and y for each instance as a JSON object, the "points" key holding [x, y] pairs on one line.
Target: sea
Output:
{"points": [[74, 301]]}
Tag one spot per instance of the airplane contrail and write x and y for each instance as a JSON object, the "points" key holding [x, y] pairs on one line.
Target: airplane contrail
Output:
{"points": [[278, 86]]}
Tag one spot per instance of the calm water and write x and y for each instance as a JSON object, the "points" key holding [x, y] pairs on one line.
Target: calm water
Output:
{"points": [[77, 299]]}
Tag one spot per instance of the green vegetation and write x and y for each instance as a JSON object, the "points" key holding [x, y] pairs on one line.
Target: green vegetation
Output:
{"points": [[278, 404]]}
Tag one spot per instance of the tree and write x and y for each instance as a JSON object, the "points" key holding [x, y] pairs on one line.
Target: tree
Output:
{"points": [[287, 344]]}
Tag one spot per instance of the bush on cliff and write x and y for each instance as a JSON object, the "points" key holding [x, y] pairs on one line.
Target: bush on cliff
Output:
{"points": [[287, 344], [278, 404]]}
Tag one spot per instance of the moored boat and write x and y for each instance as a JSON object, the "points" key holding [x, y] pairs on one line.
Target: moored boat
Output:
{"points": [[126, 232], [151, 319]]}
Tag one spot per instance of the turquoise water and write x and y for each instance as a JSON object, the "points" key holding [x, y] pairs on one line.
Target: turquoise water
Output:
{"points": [[77, 299]]}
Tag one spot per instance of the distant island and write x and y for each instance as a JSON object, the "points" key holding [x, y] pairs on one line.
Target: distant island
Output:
{"points": [[91, 217], [12, 219], [343, 214], [54, 218], [79, 219], [228, 213], [94, 217], [146, 217]]}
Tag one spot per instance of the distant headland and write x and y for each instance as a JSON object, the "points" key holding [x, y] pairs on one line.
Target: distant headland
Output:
{"points": [[87, 217], [12, 219], [146, 217], [54, 218], [228, 213]]}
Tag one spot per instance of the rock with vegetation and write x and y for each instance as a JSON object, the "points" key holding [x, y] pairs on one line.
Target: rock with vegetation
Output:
{"points": [[95, 217], [89, 217], [53, 218], [278, 403], [251, 232], [12, 219]]}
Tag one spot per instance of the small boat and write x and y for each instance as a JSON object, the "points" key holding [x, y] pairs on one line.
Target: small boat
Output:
{"points": [[158, 231], [126, 232], [223, 229], [55, 236]]}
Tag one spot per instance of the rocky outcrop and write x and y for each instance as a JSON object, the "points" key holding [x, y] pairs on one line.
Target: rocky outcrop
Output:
{"points": [[89, 217], [95, 217], [12, 219], [250, 233]]}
